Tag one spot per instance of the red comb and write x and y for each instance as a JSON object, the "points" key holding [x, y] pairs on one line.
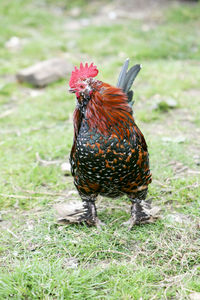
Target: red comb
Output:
{"points": [[83, 73]]}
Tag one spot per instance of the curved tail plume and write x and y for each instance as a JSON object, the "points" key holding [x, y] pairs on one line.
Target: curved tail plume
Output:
{"points": [[126, 79]]}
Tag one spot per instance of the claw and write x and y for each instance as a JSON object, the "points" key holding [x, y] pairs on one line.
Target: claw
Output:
{"points": [[142, 213], [99, 224], [95, 222], [130, 223]]}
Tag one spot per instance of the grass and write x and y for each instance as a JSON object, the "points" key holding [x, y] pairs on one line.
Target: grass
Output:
{"points": [[42, 260]]}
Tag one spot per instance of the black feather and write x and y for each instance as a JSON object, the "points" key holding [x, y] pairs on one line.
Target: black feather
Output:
{"points": [[122, 75], [130, 96], [126, 79], [130, 77]]}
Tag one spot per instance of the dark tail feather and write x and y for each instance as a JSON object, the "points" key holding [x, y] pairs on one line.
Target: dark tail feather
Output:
{"points": [[130, 77], [130, 98], [122, 75], [126, 79]]}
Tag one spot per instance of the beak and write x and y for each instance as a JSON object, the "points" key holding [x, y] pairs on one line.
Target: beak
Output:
{"points": [[72, 91]]}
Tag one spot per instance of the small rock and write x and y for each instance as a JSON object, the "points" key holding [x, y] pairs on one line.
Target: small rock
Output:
{"points": [[14, 43], [45, 72], [73, 25], [35, 93], [58, 11], [146, 27], [172, 103], [166, 139], [178, 139], [75, 12], [66, 167], [112, 15], [164, 104], [85, 22], [197, 160]]}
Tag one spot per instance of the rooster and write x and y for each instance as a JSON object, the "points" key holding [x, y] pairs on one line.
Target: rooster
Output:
{"points": [[109, 156]]}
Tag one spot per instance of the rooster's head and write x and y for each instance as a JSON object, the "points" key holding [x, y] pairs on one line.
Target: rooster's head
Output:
{"points": [[81, 79]]}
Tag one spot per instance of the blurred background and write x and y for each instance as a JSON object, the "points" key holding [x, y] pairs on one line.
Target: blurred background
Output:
{"points": [[36, 133]]}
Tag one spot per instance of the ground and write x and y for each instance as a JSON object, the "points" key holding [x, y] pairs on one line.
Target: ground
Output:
{"points": [[40, 259]]}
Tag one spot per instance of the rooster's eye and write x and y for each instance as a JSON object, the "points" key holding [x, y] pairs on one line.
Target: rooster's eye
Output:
{"points": [[81, 86]]}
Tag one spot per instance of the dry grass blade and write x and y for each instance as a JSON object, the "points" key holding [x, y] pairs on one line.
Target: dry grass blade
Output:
{"points": [[47, 162]]}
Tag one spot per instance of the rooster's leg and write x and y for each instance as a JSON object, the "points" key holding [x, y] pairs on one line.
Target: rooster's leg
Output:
{"points": [[90, 215], [141, 213]]}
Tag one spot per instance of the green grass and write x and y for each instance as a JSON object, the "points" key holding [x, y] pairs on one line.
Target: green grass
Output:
{"points": [[42, 260]]}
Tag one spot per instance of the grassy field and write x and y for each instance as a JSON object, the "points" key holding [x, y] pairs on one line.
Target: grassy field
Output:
{"points": [[40, 259]]}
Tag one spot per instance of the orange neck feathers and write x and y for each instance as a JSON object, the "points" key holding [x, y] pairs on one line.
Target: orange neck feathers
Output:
{"points": [[108, 111]]}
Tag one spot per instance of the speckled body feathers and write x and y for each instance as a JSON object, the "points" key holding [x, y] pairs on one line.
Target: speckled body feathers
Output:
{"points": [[109, 155], [111, 161]]}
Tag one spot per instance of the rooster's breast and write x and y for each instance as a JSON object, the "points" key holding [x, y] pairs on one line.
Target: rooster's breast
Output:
{"points": [[108, 165]]}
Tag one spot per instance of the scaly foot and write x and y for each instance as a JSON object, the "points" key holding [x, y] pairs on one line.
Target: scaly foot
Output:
{"points": [[95, 222], [142, 213]]}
